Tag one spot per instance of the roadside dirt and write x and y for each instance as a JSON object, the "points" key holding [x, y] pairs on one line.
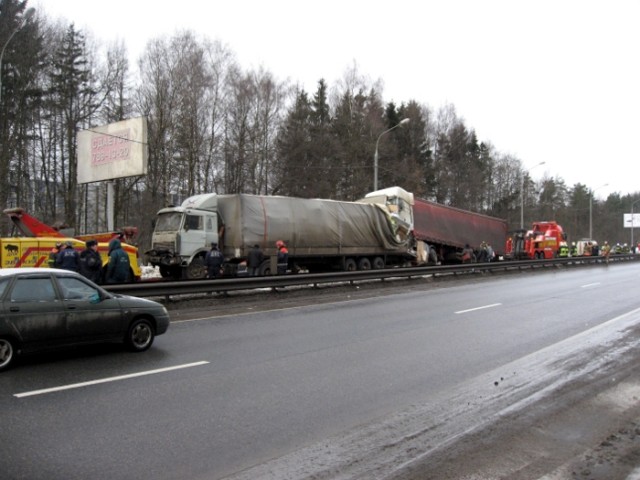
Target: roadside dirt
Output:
{"points": [[587, 430]]}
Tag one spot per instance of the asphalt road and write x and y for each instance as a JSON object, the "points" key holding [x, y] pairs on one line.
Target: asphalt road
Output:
{"points": [[356, 387]]}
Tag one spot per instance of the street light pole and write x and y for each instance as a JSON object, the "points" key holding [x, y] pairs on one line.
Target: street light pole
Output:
{"points": [[633, 249], [591, 210], [27, 15], [522, 193], [375, 156]]}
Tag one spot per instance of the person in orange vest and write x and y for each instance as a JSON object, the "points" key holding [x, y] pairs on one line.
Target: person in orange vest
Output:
{"points": [[283, 257], [606, 251]]}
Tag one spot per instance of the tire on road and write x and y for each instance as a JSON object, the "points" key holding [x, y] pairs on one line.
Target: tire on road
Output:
{"points": [[140, 335], [350, 265], [7, 353], [364, 264]]}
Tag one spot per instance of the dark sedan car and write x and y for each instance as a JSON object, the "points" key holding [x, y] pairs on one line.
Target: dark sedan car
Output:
{"points": [[43, 308]]}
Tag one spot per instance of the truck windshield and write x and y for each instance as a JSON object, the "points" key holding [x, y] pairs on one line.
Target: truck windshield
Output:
{"points": [[168, 222]]}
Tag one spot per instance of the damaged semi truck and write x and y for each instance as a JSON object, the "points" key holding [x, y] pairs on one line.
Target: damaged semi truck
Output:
{"points": [[321, 235]]}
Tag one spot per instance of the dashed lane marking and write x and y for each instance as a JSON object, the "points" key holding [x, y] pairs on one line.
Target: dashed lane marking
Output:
{"points": [[478, 308], [106, 380]]}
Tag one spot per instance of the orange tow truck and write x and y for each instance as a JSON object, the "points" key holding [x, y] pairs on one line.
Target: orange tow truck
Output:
{"points": [[545, 240], [38, 240]]}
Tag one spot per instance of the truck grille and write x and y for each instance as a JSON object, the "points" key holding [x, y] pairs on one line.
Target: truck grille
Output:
{"points": [[163, 247]]}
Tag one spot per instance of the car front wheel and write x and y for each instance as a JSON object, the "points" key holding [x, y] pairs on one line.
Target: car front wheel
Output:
{"points": [[140, 336], [7, 353]]}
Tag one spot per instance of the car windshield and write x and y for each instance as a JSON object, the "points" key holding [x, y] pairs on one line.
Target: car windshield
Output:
{"points": [[168, 222]]}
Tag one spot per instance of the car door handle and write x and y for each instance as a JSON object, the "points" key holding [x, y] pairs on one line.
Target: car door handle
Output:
{"points": [[71, 307], [14, 309]]}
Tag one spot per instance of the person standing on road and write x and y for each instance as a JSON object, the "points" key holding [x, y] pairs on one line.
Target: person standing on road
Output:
{"points": [[53, 254], [283, 257], [606, 251], [68, 258], [91, 262], [119, 266], [254, 260], [467, 254], [213, 261]]}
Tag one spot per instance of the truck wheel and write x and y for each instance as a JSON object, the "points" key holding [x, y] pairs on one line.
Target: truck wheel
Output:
{"points": [[364, 264], [7, 353], [265, 269], [350, 265], [378, 263], [196, 269]]}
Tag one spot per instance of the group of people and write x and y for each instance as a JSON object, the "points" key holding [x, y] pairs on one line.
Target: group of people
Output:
{"points": [[484, 254], [214, 260], [88, 262]]}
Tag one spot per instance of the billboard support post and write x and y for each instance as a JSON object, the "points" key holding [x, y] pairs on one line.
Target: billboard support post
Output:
{"points": [[110, 214]]}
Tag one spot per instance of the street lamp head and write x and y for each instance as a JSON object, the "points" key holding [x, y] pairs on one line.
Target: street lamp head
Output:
{"points": [[598, 188], [404, 121], [28, 14]]}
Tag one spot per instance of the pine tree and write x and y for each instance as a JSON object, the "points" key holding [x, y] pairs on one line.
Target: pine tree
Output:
{"points": [[73, 101]]}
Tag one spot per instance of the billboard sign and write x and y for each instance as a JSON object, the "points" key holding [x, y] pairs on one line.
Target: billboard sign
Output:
{"points": [[113, 151], [631, 221]]}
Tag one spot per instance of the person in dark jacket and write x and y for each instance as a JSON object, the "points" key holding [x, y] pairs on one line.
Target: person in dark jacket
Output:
{"points": [[254, 260], [119, 266], [68, 258], [53, 254], [91, 262], [213, 261]]}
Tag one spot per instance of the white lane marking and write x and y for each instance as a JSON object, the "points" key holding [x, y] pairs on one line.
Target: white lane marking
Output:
{"points": [[105, 380], [478, 308], [588, 285]]}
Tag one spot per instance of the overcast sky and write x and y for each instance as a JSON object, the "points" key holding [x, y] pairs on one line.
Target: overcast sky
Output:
{"points": [[547, 81]]}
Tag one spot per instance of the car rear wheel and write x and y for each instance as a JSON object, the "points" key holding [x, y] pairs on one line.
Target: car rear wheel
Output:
{"points": [[7, 353], [140, 336]]}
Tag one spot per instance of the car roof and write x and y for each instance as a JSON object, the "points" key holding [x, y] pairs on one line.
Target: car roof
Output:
{"points": [[4, 272]]}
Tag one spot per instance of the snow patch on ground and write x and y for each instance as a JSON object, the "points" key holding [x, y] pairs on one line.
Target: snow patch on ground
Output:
{"points": [[150, 272]]}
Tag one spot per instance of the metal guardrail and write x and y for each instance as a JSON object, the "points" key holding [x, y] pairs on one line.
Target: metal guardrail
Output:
{"points": [[185, 287]]}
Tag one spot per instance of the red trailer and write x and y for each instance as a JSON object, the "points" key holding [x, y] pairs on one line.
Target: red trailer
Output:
{"points": [[448, 229]]}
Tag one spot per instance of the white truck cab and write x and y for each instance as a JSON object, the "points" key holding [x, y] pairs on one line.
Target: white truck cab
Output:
{"points": [[182, 235]]}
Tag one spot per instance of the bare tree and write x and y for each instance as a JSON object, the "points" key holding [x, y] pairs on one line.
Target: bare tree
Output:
{"points": [[157, 99], [219, 60]]}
